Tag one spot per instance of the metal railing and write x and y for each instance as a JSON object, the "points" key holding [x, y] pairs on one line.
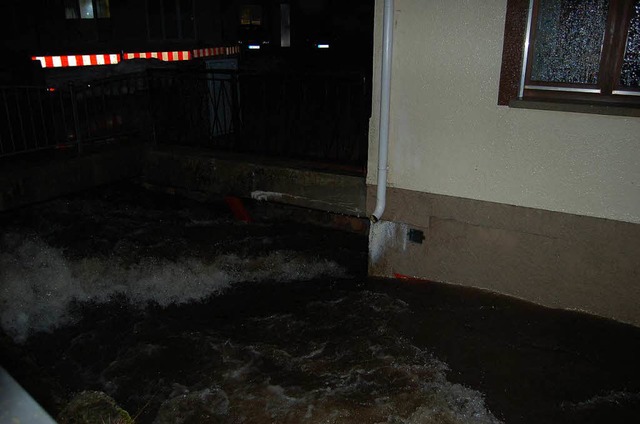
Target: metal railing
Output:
{"points": [[320, 117], [112, 108], [195, 108], [32, 119], [310, 116], [35, 118]]}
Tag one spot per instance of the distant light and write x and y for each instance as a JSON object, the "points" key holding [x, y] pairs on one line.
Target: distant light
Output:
{"points": [[254, 47], [51, 89], [322, 46]]}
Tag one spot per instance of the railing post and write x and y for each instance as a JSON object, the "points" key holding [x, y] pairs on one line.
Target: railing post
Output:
{"points": [[76, 119], [151, 113], [236, 125]]}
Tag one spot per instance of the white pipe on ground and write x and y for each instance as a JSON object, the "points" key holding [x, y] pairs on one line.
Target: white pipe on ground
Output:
{"points": [[385, 101]]}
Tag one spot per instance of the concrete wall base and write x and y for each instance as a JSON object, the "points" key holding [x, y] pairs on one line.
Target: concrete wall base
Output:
{"points": [[25, 183], [202, 175], [553, 259]]}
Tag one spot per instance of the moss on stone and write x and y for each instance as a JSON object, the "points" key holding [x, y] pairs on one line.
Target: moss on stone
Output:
{"points": [[90, 407]]}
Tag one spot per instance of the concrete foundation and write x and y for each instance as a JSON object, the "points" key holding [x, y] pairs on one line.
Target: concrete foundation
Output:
{"points": [[26, 182], [195, 173], [203, 175], [550, 258]]}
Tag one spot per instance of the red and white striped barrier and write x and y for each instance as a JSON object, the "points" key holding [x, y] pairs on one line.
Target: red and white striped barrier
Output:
{"points": [[211, 51], [216, 51], [113, 59], [77, 60], [165, 56]]}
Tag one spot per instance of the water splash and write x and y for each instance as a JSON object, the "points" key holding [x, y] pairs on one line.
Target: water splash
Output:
{"points": [[337, 362], [38, 282]]}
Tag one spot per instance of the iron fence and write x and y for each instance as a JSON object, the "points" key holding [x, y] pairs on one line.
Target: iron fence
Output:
{"points": [[195, 108], [111, 109], [319, 117], [311, 116], [36, 118]]}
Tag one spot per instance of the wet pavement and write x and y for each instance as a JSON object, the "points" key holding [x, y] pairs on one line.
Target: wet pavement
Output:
{"points": [[182, 314]]}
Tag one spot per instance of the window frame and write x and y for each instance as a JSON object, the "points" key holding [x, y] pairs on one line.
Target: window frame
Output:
{"points": [[515, 77]]}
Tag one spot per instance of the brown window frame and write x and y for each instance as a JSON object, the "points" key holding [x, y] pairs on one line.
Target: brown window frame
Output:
{"points": [[514, 87]]}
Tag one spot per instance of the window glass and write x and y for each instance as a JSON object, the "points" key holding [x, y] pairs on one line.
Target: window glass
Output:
{"points": [[251, 15], [568, 42], [285, 25], [103, 9], [630, 76], [86, 9], [71, 9]]}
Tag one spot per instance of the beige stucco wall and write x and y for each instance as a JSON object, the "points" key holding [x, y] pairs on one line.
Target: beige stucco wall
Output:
{"points": [[448, 136]]}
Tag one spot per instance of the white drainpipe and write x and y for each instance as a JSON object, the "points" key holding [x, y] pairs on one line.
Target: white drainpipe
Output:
{"points": [[385, 92]]}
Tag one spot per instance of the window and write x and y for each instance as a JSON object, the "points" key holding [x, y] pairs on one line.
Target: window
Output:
{"points": [[578, 51], [86, 9], [254, 29], [170, 19], [251, 14], [285, 25]]}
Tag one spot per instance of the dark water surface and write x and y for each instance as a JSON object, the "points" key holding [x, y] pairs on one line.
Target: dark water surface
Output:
{"points": [[183, 315]]}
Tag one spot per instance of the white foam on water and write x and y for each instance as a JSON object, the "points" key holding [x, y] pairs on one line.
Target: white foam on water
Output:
{"points": [[368, 373], [251, 396], [610, 398], [189, 406], [38, 283]]}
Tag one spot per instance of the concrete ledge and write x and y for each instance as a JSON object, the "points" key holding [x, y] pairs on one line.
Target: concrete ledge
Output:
{"points": [[201, 175], [553, 259], [24, 183]]}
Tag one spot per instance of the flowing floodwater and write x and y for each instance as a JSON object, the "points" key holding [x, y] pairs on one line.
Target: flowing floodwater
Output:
{"points": [[182, 315], [40, 283]]}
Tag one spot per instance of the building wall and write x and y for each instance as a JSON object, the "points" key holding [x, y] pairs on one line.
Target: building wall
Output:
{"points": [[540, 205], [449, 137], [45, 30]]}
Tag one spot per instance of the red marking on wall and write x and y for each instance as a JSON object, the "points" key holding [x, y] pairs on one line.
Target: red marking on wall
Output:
{"points": [[409, 278], [237, 208]]}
